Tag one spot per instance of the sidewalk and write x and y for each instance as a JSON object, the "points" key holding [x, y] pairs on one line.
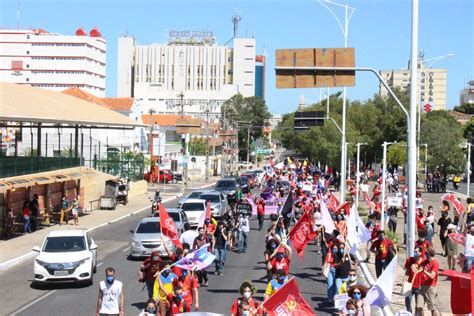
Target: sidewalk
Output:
{"points": [[19, 248], [443, 287]]}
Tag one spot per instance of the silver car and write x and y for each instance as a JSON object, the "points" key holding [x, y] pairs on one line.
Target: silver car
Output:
{"points": [[218, 202], [192, 195], [147, 238]]}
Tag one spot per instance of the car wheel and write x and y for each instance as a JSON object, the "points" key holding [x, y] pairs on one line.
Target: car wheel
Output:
{"points": [[95, 269]]}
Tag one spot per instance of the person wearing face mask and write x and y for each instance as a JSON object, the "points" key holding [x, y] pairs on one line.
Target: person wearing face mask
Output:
{"points": [[427, 293], [246, 305], [351, 281], [163, 288], [352, 309], [412, 276], [381, 248], [451, 247], [110, 300], [219, 245], [150, 308], [469, 249], [280, 278], [177, 302], [201, 240], [343, 266], [357, 294], [279, 260], [422, 241], [443, 223], [332, 258], [189, 285], [149, 268]]}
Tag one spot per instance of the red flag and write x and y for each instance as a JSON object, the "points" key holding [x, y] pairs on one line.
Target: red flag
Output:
{"points": [[333, 202], [367, 198], [288, 301], [168, 227], [457, 238], [301, 234], [346, 207], [456, 203], [206, 214]]}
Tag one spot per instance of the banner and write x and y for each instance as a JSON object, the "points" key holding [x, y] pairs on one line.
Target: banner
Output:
{"points": [[271, 206], [333, 202], [288, 301], [357, 233], [244, 209], [301, 234], [326, 219], [199, 259], [380, 294], [457, 238], [456, 203], [168, 227]]}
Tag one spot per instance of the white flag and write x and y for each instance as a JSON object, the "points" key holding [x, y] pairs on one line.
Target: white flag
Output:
{"points": [[357, 233], [381, 293], [326, 219]]}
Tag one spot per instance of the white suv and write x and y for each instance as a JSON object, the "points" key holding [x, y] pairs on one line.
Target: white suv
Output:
{"points": [[194, 209], [66, 256]]}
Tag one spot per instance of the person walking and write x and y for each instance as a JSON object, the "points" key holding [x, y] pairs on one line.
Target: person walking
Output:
{"points": [[451, 247], [64, 210], [201, 240], [110, 300], [244, 229], [10, 227], [26, 218], [412, 265], [427, 293], [260, 213], [150, 308], [443, 223], [246, 304], [469, 249], [149, 268], [75, 210], [381, 248], [189, 235], [34, 208], [219, 245]]}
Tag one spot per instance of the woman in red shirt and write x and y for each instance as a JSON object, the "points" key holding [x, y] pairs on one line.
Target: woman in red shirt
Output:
{"points": [[26, 218], [246, 304]]}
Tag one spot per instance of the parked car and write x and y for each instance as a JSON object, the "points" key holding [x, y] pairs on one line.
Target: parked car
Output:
{"points": [[147, 238], [66, 256], [194, 209], [191, 195], [165, 176], [176, 176], [244, 165], [179, 217], [229, 187], [218, 202], [251, 179], [245, 184]]}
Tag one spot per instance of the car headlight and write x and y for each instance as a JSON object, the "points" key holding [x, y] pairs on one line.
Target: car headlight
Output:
{"points": [[135, 243], [78, 263], [41, 263], [232, 192]]}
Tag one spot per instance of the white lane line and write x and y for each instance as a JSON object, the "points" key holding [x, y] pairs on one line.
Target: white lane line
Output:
{"points": [[14, 261], [34, 302], [126, 249], [99, 264]]}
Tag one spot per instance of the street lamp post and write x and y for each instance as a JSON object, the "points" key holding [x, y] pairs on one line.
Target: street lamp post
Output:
{"points": [[384, 178], [348, 163], [348, 12], [468, 167], [358, 172], [426, 160]]}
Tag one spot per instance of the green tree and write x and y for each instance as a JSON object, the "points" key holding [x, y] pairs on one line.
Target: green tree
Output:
{"points": [[443, 134], [197, 146], [468, 130], [243, 112], [397, 154], [465, 108]]}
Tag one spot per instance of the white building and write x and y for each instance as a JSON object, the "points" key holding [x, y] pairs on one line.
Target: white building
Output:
{"points": [[190, 65], [54, 61], [466, 95], [431, 83]]}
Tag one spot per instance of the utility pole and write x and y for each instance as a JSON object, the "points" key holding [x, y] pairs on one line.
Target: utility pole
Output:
{"points": [[358, 172], [248, 142], [207, 142], [468, 167], [384, 178]]}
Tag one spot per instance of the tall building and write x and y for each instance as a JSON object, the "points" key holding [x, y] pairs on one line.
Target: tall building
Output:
{"points": [[466, 95], [53, 61], [190, 69], [431, 83]]}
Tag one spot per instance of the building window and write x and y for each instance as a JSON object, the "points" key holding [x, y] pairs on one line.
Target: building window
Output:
{"points": [[27, 79], [27, 52]]}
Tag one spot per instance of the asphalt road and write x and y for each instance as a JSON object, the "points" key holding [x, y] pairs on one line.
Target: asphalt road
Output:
{"points": [[20, 298]]}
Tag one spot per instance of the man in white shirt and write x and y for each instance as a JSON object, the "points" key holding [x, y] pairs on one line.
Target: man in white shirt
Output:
{"points": [[110, 300], [469, 249], [189, 235], [244, 229]]}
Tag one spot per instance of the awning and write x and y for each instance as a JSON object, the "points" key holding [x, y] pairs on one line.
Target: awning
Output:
{"points": [[21, 103], [42, 180], [20, 183]]}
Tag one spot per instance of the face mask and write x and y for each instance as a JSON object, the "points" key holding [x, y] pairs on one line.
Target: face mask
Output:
{"points": [[415, 255], [179, 297], [341, 251], [334, 251], [422, 239], [247, 294], [201, 234], [281, 279], [381, 237], [166, 272], [207, 222], [274, 246], [245, 313], [351, 312], [184, 274], [352, 278], [151, 310], [156, 258], [357, 296], [280, 256], [110, 279]]}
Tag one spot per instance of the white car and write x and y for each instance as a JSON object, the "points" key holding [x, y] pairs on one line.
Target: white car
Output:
{"points": [[66, 256], [194, 209], [245, 165]]}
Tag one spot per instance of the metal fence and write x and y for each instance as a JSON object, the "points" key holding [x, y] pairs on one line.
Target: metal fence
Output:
{"points": [[11, 166], [119, 165]]}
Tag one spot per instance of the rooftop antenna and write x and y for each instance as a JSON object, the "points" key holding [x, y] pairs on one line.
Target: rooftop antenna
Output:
{"points": [[18, 14], [236, 19]]}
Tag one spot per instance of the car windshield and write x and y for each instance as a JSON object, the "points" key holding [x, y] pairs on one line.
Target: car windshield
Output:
{"points": [[148, 228], [245, 180], [214, 198], [195, 195], [175, 216], [64, 244], [225, 184], [193, 207]]}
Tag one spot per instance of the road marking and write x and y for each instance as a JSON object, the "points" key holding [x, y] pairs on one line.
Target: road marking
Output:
{"points": [[99, 264], [14, 261], [126, 249], [34, 302]]}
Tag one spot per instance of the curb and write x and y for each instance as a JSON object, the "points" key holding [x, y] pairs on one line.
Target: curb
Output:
{"points": [[14, 261]]}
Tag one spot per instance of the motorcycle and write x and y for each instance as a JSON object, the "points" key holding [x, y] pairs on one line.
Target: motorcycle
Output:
{"points": [[155, 204]]}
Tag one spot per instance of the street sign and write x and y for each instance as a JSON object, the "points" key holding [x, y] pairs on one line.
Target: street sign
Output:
{"points": [[314, 57], [305, 120]]}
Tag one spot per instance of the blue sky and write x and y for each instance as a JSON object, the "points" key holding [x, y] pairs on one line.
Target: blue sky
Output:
{"points": [[379, 30]]}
